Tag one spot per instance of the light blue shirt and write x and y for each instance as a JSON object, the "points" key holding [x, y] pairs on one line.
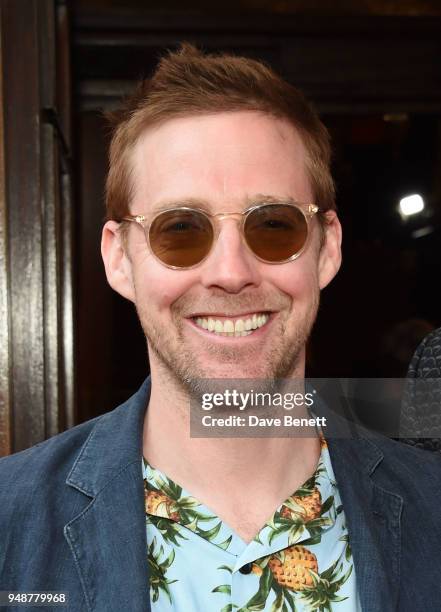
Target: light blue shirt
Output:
{"points": [[299, 561]]}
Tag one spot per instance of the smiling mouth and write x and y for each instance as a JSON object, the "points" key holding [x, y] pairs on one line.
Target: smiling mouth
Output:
{"points": [[234, 327]]}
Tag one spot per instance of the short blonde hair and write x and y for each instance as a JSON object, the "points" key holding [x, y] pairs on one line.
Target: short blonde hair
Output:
{"points": [[188, 82]]}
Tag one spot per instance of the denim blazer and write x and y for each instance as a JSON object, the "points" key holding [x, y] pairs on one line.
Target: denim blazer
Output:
{"points": [[72, 517]]}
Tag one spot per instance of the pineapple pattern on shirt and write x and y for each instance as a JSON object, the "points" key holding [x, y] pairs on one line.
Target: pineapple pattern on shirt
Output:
{"points": [[299, 561]]}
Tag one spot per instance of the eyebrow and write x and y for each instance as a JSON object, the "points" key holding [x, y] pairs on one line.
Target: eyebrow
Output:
{"points": [[255, 200]]}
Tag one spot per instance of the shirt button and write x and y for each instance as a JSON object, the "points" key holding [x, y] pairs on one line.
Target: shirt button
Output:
{"points": [[246, 569]]}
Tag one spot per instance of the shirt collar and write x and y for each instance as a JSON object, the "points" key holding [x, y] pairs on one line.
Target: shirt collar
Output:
{"points": [[298, 520]]}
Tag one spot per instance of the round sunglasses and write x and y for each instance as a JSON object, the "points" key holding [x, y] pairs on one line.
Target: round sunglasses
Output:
{"points": [[183, 237]]}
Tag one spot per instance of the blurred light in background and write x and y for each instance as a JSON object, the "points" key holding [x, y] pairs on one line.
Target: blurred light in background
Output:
{"points": [[423, 231], [411, 205]]}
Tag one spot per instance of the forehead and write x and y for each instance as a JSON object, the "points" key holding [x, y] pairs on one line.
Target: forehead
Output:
{"points": [[222, 159]]}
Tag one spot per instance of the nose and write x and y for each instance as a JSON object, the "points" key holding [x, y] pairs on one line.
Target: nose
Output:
{"points": [[230, 265]]}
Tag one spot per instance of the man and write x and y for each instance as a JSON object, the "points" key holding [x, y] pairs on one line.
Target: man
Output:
{"points": [[222, 231]]}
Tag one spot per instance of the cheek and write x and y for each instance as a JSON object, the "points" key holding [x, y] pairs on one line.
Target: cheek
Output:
{"points": [[299, 281], [158, 288]]}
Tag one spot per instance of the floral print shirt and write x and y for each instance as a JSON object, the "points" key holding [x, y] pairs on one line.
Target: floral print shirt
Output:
{"points": [[299, 561]]}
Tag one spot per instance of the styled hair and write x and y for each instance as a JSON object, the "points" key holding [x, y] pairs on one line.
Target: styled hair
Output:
{"points": [[189, 82]]}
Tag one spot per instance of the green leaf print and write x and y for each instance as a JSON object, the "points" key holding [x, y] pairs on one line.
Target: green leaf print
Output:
{"points": [[279, 604], [348, 551], [169, 530], [222, 588], [312, 541], [320, 522], [289, 597], [187, 503], [157, 571], [210, 534], [258, 601], [226, 568], [327, 505], [225, 544]]}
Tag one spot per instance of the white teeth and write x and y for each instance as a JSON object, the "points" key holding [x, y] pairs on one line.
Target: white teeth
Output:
{"points": [[229, 326], [238, 328]]}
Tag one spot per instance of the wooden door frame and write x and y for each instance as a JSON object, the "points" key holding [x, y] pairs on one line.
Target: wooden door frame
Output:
{"points": [[36, 348]]}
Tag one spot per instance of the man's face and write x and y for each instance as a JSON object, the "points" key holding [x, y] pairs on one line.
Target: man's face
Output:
{"points": [[224, 161]]}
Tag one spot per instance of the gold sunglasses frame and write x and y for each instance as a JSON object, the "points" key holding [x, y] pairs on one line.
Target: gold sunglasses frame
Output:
{"points": [[141, 220]]}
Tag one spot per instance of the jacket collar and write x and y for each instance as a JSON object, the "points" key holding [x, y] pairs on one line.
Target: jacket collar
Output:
{"points": [[108, 538], [372, 508], [373, 516], [113, 444]]}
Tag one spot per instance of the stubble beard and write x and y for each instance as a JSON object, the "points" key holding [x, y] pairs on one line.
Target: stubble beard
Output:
{"points": [[184, 368]]}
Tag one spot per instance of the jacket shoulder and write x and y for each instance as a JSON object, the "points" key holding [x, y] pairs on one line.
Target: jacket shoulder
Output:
{"points": [[35, 504], [52, 460]]}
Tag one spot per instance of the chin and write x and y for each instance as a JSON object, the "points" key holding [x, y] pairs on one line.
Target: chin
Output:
{"points": [[238, 373]]}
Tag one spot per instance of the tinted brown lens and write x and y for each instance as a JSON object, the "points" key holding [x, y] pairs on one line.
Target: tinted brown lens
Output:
{"points": [[181, 238], [276, 232]]}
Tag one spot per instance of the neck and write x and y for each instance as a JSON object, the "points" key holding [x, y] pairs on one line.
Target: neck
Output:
{"points": [[218, 471]]}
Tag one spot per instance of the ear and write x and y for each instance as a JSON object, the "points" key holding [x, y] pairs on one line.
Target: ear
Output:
{"points": [[116, 261], [330, 253]]}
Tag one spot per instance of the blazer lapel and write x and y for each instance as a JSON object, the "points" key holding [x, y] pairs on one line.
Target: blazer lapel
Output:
{"points": [[373, 519], [108, 538]]}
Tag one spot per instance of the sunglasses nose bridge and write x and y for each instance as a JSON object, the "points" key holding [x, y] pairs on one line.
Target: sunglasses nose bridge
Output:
{"points": [[230, 263], [221, 216], [238, 217]]}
